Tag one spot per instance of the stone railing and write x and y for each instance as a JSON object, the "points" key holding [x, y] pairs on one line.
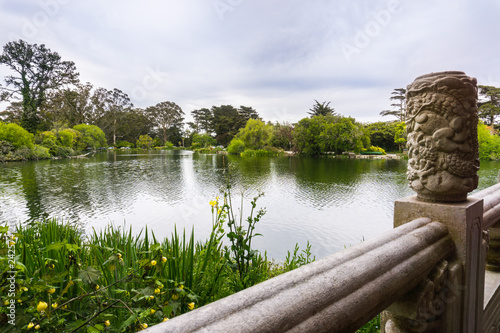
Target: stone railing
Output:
{"points": [[426, 275]]}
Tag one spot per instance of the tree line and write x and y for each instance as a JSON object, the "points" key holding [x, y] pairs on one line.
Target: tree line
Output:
{"points": [[45, 95]]}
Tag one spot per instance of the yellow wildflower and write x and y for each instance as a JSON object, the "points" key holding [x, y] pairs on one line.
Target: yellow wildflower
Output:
{"points": [[41, 306], [144, 326], [51, 290], [153, 262], [157, 290], [181, 287], [54, 305], [152, 311], [219, 211], [164, 259], [97, 287], [64, 307], [11, 243], [119, 255], [165, 319], [24, 289], [51, 266], [107, 323], [191, 306], [30, 325], [6, 303], [175, 297], [213, 203], [151, 297], [37, 327]]}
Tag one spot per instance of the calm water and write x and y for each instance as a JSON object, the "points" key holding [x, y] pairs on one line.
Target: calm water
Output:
{"points": [[330, 202]]}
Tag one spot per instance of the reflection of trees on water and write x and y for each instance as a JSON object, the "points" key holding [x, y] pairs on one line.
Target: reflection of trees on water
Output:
{"points": [[32, 192]]}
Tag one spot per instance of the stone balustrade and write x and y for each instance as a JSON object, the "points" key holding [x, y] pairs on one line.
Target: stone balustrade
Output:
{"points": [[339, 293]]}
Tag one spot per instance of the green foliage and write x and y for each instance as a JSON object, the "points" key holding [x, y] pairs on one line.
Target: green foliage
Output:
{"points": [[16, 135], [256, 134], [144, 142], [68, 137], [374, 149], [268, 151], [236, 147], [123, 143], [37, 70], [92, 136], [382, 134], [203, 141], [168, 145], [282, 136], [322, 109], [489, 143], [317, 135], [40, 152]]}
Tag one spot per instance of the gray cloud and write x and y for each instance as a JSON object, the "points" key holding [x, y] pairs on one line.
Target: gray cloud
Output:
{"points": [[277, 56]]}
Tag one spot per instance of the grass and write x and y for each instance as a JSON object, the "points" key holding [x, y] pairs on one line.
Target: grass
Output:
{"points": [[113, 280]]}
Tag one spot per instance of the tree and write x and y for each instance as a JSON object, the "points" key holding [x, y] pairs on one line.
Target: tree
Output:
{"points": [[91, 136], [72, 106], [111, 106], [16, 135], [489, 143], [399, 96], [256, 134], [166, 116], [282, 136], [321, 109], [317, 135], [38, 71], [203, 119], [226, 123], [382, 134], [144, 141], [203, 140], [489, 109]]}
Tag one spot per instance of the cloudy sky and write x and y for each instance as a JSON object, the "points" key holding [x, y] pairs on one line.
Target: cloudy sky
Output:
{"points": [[274, 55]]}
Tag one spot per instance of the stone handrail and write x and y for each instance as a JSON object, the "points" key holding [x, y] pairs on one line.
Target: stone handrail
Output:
{"points": [[491, 205], [339, 293]]}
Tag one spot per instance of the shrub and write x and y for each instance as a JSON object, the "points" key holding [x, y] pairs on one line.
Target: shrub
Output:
{"points": [[374, 149], [15, 134], [123, 143], [236, 147], [169, 145], [68, 137], [40, 152]]}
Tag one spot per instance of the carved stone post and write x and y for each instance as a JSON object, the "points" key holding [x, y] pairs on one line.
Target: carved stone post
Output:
{"points": [[441, 123], [442, 168]]}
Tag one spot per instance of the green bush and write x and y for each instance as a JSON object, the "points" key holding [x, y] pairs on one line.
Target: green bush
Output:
{"points": [[68, 137], [15, 134], [123, 143], [169, 145], [40, 152], [374, 149], [236, 147]]}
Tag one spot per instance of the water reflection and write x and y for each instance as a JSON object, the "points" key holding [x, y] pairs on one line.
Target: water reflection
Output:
{"points": [[330, 202]]}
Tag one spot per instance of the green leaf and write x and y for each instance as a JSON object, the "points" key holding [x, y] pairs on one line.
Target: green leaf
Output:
{"points": [[56, 246], [72, 247], [4, 229], [130, 320], [89, 275]]}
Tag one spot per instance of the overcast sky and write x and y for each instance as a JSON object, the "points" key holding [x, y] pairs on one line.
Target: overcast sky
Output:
{"points": [[274, 55]]}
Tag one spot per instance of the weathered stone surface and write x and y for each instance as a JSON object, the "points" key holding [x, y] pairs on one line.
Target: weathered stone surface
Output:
{"points": [[465, 293], [442, 136]]}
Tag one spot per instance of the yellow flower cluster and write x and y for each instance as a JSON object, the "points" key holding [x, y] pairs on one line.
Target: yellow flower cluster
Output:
{"points": [[213, 203]]}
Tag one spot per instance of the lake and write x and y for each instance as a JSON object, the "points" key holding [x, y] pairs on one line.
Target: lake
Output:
{"points": [[332, 203]]}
